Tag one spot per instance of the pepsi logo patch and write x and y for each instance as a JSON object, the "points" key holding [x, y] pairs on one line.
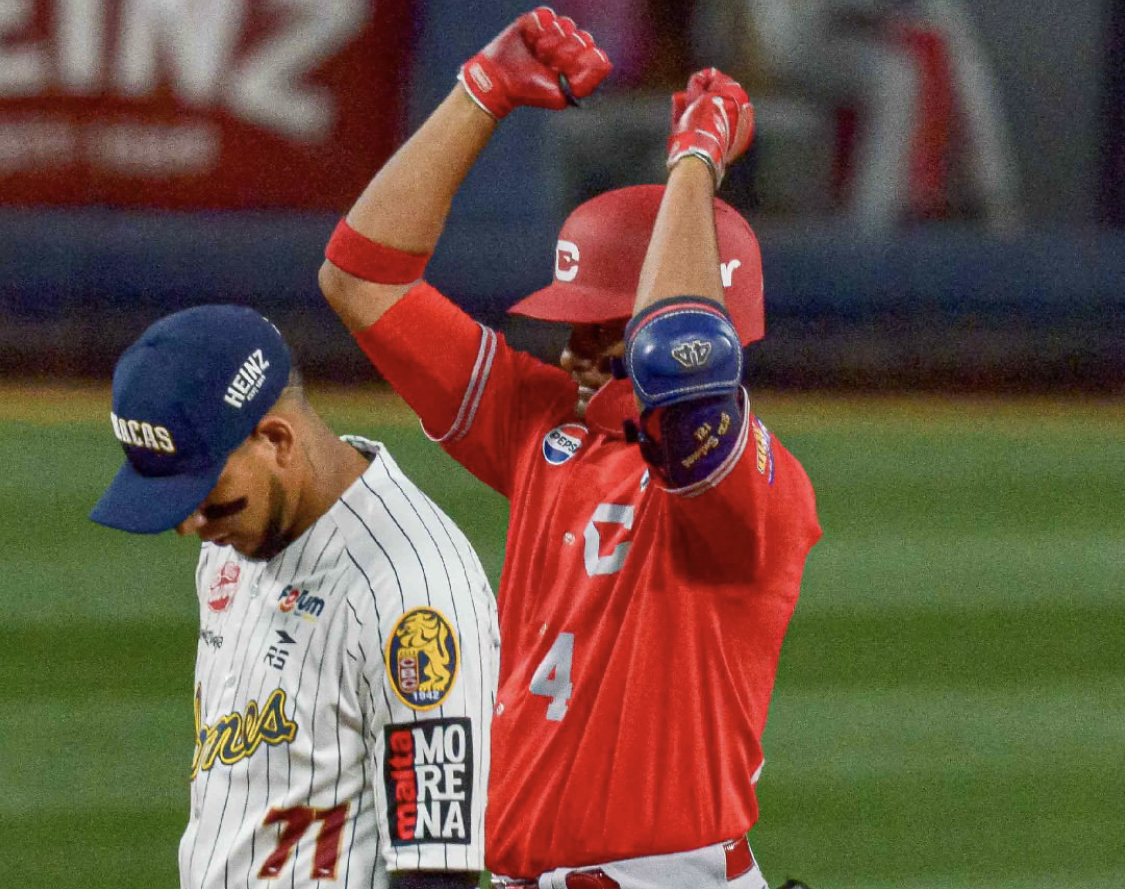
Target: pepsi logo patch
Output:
{"points": [[563, 442], [223, 586], [422, 658]]}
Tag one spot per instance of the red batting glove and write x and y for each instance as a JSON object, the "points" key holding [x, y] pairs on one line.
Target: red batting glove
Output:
{"points": [[713, 120], [523, 64]]}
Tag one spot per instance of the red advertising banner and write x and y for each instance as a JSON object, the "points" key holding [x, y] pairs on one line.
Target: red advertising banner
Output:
{"points": [[199, 104]]}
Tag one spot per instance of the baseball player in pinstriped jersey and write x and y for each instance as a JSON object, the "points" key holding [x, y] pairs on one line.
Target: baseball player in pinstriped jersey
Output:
{"points": [[346, 665]]}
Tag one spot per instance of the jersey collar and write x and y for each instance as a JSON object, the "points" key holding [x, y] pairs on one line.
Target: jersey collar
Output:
{"points": [[612, 405]]}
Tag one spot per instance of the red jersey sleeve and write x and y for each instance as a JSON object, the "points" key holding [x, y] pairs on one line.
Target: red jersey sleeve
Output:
{"points": [[758, 502], [474, 393]]}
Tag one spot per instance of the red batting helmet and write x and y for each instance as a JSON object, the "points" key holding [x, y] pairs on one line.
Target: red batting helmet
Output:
{"points": [[601, 249]]}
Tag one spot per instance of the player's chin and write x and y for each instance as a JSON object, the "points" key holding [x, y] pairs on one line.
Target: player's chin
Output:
{"points": [[248, 549], [585, 393], [240, 547], [269, 546]]}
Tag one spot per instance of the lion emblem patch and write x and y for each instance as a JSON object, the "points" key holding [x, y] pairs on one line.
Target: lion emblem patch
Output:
{"points": [[422, 658]]}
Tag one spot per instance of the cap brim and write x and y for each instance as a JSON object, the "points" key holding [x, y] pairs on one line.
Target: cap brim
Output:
{"points": [[571, 304], [151, 504]]}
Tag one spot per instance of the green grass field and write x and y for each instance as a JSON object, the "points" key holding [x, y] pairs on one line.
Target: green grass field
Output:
{"points": [[949, 713]]}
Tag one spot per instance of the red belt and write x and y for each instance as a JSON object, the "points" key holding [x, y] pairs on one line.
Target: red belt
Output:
{"points": [[578, 879], [739, 861]]}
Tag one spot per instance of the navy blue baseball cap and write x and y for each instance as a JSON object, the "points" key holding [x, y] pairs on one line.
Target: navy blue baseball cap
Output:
{"points": [[185, 395]]}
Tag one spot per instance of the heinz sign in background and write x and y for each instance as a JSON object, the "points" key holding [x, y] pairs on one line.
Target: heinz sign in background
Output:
{"points": [[198, 103]]}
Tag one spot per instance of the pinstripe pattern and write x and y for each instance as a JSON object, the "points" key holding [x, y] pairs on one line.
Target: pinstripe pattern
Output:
{"points": [[383, 549]]}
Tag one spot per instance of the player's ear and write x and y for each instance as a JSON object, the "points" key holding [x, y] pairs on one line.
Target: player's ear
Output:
{"points": [[278, 433]]}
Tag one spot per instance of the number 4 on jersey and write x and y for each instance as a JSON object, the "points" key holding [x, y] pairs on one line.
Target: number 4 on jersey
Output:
{"points": [[552, 676]]}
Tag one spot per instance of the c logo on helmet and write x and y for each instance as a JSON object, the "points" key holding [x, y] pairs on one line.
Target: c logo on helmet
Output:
{"points": [[566, 260]]}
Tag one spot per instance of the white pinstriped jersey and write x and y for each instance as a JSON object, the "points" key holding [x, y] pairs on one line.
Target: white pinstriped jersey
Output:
{"points": [[344, 691]]}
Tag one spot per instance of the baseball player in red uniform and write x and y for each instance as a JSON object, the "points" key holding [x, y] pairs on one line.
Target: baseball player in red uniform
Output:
{"points": [[345, 673], [658, 528]]}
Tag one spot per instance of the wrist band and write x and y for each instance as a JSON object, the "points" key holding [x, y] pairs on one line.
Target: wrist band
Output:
{"points": [[370, 261]]}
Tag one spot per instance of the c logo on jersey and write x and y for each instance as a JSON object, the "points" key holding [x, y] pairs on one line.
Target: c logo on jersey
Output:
{"points": [[422, 658], [563, 442], [223, 586]]}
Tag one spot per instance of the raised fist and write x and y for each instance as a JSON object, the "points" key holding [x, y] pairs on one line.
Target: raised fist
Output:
{"points": [[713, 120], [541, 59]]}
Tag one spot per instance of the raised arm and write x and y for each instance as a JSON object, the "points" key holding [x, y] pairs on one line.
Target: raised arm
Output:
{"points": [[380, 250], [682, 351], [712, 125]]}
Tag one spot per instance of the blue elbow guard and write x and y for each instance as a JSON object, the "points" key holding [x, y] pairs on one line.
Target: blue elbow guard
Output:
{"points": [[681, 349]]}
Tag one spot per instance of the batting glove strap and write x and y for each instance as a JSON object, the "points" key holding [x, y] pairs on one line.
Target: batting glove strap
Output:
{"points": [[676, 152], [681, 349], [484, 88], [524, 62]]}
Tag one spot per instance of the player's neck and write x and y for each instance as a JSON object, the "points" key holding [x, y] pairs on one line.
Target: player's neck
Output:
{"points": [[331, 467]]}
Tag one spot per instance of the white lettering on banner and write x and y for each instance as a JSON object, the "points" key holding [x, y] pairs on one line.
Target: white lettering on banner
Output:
{"points": [[202, 50], [727, 271], [23, 68], [195, 40], [81, 25], [268, 87], [163, 149], [31, 142]]}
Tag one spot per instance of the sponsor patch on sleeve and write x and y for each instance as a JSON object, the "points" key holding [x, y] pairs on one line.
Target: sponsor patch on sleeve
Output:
{"points": [[763, 442], [428, 770], [423, 658]]}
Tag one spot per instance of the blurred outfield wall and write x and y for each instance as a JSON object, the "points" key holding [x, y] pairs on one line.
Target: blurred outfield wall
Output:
{"points": [[945, 305], [935, 308]]}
